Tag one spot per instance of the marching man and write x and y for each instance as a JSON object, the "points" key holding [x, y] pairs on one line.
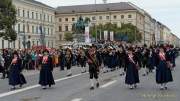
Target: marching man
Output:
{"points": [[93, 67]]}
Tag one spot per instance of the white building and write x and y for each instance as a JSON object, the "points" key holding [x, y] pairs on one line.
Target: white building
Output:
{"points": [[32, 16]]}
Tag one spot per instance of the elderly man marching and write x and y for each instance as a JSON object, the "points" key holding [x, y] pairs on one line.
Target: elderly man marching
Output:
{"points": [[93, 67]]}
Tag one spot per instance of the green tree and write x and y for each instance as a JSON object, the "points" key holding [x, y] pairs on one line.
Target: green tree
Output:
{"points": [[131, 32], [7, 20], [108, 26], [68, 36]]}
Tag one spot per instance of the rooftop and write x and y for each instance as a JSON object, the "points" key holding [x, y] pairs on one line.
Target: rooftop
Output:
{"points": [[95, 8]]}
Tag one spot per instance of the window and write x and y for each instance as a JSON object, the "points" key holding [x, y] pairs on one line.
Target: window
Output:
{"points": [[32, 15], [66, 28], [44, 17], [28, 28], [60, 37], [107, 17], [24, 28], [36, 15], [19, 28], [51, 18], [60, 19], [37, 43], [122, 16], [44, 30], [18, 12], [73, 19], [48, 31], [129, 16], [60, 28], [40, 16], [48, 43], [114, 16], [33, 43], [23, 13], [66, 19], [93, 18], [51, 31], [100, 17], [52, 44], [33, 29], [48, 18], [36, 29], [28, 14]]}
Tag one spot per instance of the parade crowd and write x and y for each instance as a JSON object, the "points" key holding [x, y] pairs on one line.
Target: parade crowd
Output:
{"points": [[126, 58]]}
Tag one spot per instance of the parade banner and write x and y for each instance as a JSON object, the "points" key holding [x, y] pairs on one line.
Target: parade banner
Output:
{"points": [[87, 40], [112, 36], [105, 35]]}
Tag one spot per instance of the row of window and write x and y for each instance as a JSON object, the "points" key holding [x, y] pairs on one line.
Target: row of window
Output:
{"points": [[66, 19], [100, 18], [48, 43], [35, 29], [34, 15], [65, 27]]}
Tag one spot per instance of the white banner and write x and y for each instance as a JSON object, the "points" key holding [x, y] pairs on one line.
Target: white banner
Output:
{"points": [[87, 40], [112, 36], [105, 35]]}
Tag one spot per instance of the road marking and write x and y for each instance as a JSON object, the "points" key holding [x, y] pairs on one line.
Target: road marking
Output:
{"points": [[108, 84], [77, 99], [35, 86]]}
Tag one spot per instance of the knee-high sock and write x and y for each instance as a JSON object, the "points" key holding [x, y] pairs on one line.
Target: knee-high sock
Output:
{"points": [[92, 82]]}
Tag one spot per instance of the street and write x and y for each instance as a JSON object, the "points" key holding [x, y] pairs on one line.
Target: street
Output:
{"points": [[76, 88]]}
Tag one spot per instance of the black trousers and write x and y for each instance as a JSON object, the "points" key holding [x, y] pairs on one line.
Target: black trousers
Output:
{"points": [[93, 72]]}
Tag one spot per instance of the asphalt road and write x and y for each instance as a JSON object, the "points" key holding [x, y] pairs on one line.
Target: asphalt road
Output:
{"points": [[76, 88]]}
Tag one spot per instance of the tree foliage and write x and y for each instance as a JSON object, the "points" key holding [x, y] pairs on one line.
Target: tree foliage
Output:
{"points": [[68, 36], [128, 30], [7, 20]]}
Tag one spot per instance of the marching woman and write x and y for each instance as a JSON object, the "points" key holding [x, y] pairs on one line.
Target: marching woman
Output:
{"points": [[163, 70], [132, 75], [15, 75], [68, 60], [46, 76]]}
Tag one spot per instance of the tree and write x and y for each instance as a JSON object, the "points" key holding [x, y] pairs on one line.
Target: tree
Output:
{"points": [[131, 32], [7, 20], [68, 36]]}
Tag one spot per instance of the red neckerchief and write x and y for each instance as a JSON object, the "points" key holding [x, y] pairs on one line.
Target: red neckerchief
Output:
{"points": [[131, 58], [14, 61], [45, 59], [162, 56]]}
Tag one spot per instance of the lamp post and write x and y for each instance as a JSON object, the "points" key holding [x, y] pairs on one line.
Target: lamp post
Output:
{"points": [[96, 21]]}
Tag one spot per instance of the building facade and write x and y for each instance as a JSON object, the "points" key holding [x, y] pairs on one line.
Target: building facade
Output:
{"points": [[36, 22], [41, 24], [116, 13]]}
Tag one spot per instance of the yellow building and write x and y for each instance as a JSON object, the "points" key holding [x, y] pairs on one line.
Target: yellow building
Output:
{"points": [[116, 13]]}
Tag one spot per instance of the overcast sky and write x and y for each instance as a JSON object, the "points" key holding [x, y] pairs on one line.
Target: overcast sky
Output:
{"points": [[165, 11]]}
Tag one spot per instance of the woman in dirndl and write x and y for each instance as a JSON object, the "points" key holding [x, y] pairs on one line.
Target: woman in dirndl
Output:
{"points": [[15, 75], [46, 77], [163, 70], [132, 75]]}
